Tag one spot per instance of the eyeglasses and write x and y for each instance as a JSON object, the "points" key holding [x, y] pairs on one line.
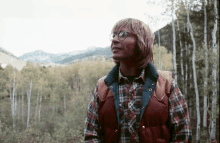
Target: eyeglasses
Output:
{"points": [[122, 35]]}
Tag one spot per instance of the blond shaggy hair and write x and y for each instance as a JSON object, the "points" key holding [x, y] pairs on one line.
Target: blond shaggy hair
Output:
{"points": [[145, 40]]}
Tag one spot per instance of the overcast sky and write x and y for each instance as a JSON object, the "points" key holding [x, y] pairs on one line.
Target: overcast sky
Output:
{"points": [[61, 26]]}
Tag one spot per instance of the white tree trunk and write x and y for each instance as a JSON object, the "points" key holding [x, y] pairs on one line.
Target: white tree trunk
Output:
{"points": [[40, 106], [15, 111], [39, 109], [15, 104], [209, 126], [195, 78], [191, 87], [28, 109], [36, 107], [22, 108], [181, 56], [64, 104], [214, 72], [174, 44], [206, 70], [12, 95], [53, 105], [11, 98], [190, 74], [186, 70], [12, 107], [19, 102], [29, 102], [0, 127], [159, 48]]}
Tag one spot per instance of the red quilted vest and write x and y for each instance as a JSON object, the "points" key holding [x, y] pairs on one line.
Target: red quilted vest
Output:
{"points": [[154, 125]]}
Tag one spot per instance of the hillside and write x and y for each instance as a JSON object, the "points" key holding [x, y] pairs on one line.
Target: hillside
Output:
{"points": [[6, 59], [7, 53]]}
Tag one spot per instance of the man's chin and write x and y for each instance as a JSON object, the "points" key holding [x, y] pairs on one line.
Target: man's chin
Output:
{"points": [[122, 58], [116, 58]]}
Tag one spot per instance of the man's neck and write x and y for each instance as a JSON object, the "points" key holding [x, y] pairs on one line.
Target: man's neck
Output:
{"points": [[129, 69]]}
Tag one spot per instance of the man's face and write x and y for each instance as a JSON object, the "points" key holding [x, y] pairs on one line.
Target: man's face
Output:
{"points": [[123, 49]]}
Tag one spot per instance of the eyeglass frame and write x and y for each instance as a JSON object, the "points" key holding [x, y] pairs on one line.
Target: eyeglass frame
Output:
{"points": [[120, 38]]}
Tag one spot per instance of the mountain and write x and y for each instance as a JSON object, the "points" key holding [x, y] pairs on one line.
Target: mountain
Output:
{"points": [[90, 53], [41, 57], [38, 56]]}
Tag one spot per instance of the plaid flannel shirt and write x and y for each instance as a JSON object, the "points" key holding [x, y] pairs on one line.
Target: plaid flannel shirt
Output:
{"points": [[130, 97]]}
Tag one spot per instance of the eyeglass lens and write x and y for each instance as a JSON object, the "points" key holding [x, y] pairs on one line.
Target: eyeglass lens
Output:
{"points": [[122, 35]]}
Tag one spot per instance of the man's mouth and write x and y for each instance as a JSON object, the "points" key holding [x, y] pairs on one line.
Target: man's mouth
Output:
{"points": [[116, 49]]}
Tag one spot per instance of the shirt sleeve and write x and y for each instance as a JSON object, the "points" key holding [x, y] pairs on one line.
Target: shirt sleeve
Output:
{"points": [[179, 115], [91, 123]]}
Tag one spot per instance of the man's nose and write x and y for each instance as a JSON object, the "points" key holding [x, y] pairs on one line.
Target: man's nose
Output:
{"points": [[115, 39]]}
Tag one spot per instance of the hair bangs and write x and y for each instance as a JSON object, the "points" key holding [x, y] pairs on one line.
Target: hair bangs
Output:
{"points": [[122, 23]]}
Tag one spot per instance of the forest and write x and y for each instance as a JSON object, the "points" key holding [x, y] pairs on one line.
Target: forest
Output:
{"points": [[193, 40], [39, 104]]}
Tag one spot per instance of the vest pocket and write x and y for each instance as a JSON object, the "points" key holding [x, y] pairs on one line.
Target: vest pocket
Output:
{"points": [[110, 135], [146, 136], [154, 134]]}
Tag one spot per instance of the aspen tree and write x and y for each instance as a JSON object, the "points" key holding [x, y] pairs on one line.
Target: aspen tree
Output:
{"points": [[186, 70], [29, 102], [22, 108], [214, 72], [190, 73], [0, 127], [36, 107], [181, 56], [64, 104], [154, 20], [194, 75], [174, 43], [40, 105], [206, 69], [15, 104], [159, 48], [174, 40], [42, 83], [19, 102], [12, 98]]}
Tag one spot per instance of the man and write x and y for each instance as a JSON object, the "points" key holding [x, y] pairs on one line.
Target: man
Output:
{"points": [[135, 102]]}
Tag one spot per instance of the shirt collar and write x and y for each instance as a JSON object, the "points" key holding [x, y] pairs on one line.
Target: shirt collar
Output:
{"points": [[113, 75], [142, 76]]}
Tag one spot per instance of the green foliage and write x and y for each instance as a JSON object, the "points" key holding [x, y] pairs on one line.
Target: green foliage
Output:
{"points": [[74, 83], [3, 80], [165, 58], [197, 21]]}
